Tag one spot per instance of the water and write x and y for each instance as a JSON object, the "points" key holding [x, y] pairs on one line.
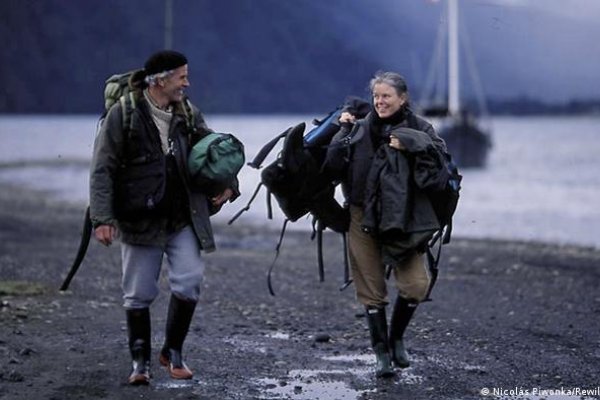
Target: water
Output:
{"points": [[542, 182]]}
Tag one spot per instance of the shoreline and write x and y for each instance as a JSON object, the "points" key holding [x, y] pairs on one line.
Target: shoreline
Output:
{"points": [[17, 191], [504, 314]]}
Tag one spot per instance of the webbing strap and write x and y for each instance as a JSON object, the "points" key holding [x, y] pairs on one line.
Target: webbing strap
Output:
{"points": [[237, 215], [124, 113], [86, 234], [128, 104], [321, 264], [432, 261], [188, 111], [269, 205], [347, 280], [271, 291], [266, 149], [448, 233]]}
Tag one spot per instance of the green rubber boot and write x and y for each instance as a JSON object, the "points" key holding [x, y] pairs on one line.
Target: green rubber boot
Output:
{"points": [[401, 316], [378, 328]]}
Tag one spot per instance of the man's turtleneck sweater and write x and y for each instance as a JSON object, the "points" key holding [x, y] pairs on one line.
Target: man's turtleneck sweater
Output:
{"points": [[162, 119]]}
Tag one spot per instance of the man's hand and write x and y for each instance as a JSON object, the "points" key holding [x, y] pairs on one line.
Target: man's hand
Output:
{"points": [[222, 198], [105, 234]]}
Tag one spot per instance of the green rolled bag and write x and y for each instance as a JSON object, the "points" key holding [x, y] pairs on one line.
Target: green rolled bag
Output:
{"points": [[215, 161]]}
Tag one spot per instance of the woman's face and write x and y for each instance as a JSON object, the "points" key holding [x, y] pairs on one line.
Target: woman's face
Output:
{"points": [[386, 100]]}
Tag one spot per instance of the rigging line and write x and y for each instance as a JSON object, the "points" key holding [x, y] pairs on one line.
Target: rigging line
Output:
{"points": [[432, 82], [473, 72]]}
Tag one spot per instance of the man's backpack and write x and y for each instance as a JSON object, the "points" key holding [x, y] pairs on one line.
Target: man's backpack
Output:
{"points": [[123, 88], [126, 88]]}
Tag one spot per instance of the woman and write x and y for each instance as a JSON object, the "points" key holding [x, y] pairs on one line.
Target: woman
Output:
{"points": [[380, 131]]}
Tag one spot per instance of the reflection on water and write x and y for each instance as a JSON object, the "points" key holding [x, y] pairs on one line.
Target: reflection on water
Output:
{"points": [[308, 390], [330, 383], [174, 384]]}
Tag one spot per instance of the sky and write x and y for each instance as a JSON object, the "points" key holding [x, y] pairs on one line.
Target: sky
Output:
{"points": [[550, 46], [541, 49], [584, 10]]}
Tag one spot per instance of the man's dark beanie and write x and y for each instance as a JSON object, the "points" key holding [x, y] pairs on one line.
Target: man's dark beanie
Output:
{"points": [[165, 60]]}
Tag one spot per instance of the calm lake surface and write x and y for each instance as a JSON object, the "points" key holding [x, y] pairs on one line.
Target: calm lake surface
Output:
{"points": [[542, 182]]}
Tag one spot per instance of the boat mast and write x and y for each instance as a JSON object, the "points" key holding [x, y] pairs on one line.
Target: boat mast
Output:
{"points": [[168, 33], [453, 71]]}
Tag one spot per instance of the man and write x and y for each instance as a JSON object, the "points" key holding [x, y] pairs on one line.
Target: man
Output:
{"points": [[141, 192]]}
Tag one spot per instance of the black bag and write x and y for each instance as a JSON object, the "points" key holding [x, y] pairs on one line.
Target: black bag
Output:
{"points": [[296, 182], [445, 201]]}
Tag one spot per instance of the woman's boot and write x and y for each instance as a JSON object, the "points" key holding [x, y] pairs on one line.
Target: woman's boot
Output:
{"points": [[138, 327], [401, 316], [178, 323], [378, 328]]}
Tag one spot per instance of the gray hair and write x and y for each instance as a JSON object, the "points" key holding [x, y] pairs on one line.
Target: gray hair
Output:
{"points": [[393, 79], [151, 79]]}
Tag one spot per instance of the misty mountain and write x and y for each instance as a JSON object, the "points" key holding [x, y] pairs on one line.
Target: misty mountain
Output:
{"points": [[294, 56]]}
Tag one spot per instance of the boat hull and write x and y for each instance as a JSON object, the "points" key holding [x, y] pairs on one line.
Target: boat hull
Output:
{"points": [[467, 143]]}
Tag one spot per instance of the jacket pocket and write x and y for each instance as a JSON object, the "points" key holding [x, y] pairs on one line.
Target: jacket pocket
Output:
{"points": [[140, 187]]}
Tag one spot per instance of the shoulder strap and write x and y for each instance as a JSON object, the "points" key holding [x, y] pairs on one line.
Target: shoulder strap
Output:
{"points": [[237, 215], [266, 149], [318, 228], [128, 103], [86, 234], [433, 263], [188, 112], [276, 256], [347, 279]]}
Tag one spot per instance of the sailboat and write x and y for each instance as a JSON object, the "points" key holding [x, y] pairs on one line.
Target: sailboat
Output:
{"points": [[467, 139]]}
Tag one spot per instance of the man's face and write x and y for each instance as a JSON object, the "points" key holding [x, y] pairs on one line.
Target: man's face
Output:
{"points": [[174, 85]]}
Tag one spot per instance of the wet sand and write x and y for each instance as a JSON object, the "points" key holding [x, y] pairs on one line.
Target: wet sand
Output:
{"points": [[506, 316]]}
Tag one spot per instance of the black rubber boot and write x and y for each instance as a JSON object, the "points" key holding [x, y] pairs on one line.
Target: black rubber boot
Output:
{"points": [[138, 327], [178, 323], [401, 316], [378, 328]]}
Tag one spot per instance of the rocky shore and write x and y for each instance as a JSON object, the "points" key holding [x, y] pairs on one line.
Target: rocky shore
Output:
{"points": [[510, 318]]}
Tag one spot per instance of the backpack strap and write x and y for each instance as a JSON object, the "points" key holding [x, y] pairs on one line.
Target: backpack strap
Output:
{"points": [[269, 205], [447, 233], [432, 261], [271, 291], [86, 234], [347, 279], [266, 149], [128, 103], [318, 228], [188, 112], [237, 215]]}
